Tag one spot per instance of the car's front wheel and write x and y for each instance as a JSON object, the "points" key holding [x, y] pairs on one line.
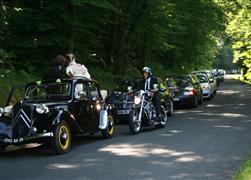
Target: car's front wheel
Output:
{"points": [[108, 132], [61, 141]]}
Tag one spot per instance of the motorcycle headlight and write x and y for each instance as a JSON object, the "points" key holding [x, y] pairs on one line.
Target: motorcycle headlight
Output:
{"points": [[137, 100], [42, 109], [1, 112]]}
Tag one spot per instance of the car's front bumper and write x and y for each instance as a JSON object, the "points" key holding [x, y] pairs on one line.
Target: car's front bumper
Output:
{"points": [[23, 140], [183, 101], [206, 93]]}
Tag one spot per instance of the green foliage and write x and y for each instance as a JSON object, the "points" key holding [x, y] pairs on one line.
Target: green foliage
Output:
{"points": [[113, 38], [9, 78], [239, 30], [244, 172]]}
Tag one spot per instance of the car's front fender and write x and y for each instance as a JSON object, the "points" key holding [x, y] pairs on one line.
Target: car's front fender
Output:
{"points": [[66, 115]]}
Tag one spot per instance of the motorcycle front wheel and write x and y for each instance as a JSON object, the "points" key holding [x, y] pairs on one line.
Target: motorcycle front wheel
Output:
{"points": [[134, 122]]}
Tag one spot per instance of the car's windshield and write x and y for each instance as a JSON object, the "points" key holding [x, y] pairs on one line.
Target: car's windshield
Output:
{"points": [[48, 92], [202, 78], [183, 81]]}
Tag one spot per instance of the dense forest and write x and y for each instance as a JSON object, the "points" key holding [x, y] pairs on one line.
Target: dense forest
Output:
{"points": [[116, 38]]}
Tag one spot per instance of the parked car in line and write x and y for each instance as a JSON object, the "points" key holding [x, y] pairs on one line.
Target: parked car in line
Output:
{"points": [[205, 85], [212, 79], [54, 111], [186, 90], [123, 96]]}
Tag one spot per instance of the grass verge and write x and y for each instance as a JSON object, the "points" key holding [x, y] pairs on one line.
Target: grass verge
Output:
{"points": [[244, 173]]}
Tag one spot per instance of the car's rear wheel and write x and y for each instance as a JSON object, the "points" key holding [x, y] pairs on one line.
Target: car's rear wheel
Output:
{"points": [[61, 141], [108, 132]]}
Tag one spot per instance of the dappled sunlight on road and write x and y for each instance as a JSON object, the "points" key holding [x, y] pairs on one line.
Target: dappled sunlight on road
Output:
{"points": [[188, 159], [228, 92], [171, 133], [147, 150], [230, 115], [227, 127], [224, 105], [189, 175], [62, 166]]}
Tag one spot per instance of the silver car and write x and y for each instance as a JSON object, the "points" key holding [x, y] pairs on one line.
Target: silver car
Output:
{"points": [[212, 80], [205, 86]]}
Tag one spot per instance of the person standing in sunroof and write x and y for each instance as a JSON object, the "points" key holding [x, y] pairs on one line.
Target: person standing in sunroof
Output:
{"points": [[75, 69]]}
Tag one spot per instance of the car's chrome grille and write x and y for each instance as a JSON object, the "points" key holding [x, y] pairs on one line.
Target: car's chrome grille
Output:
{"points": [[22, 120]]}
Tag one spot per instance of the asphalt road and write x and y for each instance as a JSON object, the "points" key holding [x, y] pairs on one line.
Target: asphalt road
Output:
{"points": [[209, 142]]}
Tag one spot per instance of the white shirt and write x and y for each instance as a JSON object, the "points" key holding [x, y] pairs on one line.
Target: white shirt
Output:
{"points": [[147, 84], [77, 70]]}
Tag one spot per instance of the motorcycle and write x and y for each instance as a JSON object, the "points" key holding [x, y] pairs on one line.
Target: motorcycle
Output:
{"points": [[144, 113]]}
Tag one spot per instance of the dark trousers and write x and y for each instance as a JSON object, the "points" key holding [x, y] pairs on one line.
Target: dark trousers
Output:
{"points": [[156, 103]]}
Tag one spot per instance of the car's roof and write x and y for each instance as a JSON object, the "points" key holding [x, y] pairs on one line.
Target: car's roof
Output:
{"points": [[201, 74], [202, 71]]}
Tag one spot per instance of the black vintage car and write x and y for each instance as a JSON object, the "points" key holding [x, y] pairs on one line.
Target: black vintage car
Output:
{"points": [[186, 90], [54, 111], [123, 96]]}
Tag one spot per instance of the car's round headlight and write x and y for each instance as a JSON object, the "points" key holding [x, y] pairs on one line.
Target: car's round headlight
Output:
{"points": [[7, 111], [137, 100], [1, 112], [98, 107], [42, 108]]}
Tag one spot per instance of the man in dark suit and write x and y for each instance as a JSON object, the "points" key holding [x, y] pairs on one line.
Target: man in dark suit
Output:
{"points": [[56, 71], [151, 83]]}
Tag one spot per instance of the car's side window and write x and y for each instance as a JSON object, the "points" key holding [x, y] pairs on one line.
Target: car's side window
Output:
{"points": [[94, 93], [80, 91]]}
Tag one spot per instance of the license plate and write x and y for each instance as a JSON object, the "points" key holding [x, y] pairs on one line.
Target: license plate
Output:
{"points": [[176, 99], [17, 140], [123, 112]]}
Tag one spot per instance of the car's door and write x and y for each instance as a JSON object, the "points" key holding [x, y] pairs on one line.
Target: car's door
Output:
{"points": [[81, 104], [96, 103]]}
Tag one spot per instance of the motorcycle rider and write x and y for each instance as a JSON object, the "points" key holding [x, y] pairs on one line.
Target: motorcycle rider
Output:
{"points": [[152, 84]]}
